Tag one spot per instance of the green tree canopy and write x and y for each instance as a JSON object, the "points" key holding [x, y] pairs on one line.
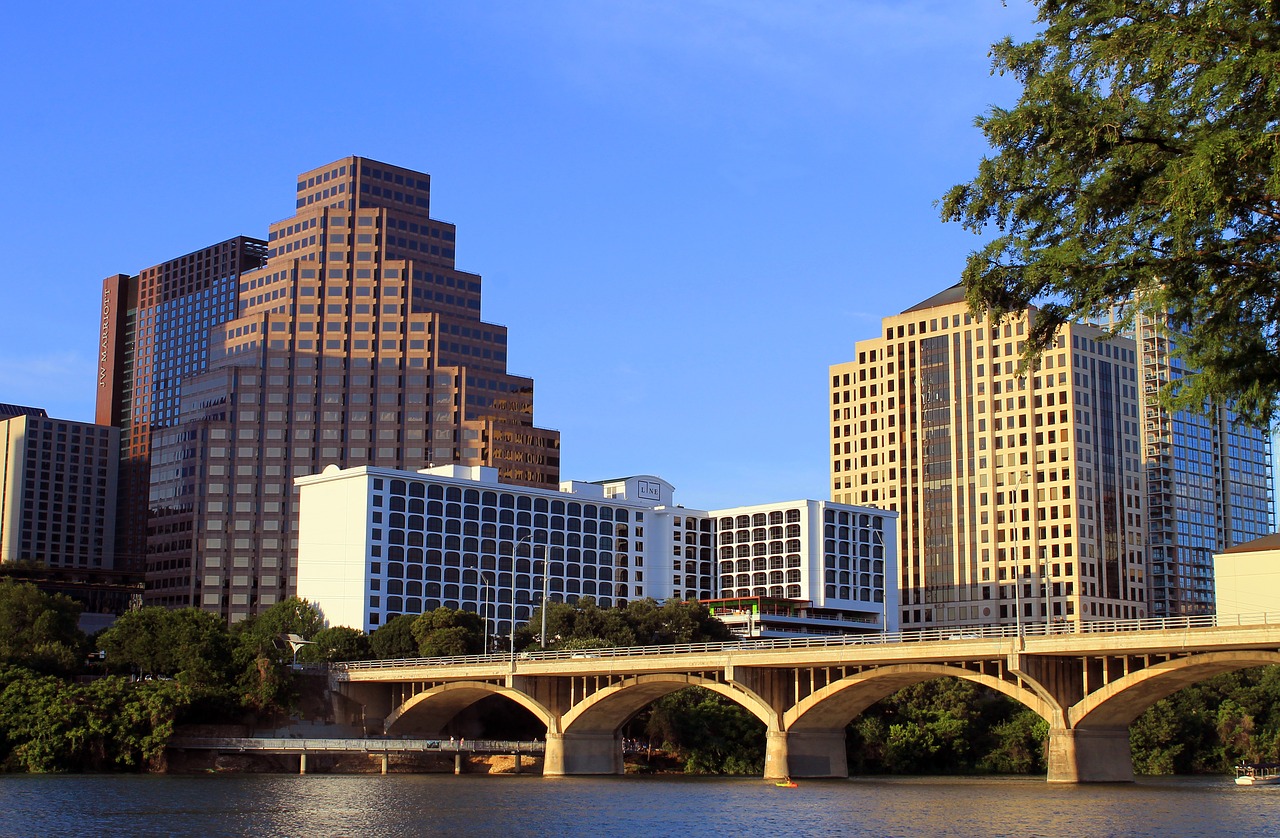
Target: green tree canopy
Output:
{"points": [[585, 625], [394, 639], [1139, 167], [189, 644], [446, 631], [39, 630], [337, 643]]}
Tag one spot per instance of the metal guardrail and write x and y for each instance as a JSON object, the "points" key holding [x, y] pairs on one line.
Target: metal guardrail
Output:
{"points": [[379, 745], [869, 639]]}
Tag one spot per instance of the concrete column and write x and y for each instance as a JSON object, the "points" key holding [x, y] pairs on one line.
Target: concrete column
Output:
{"points": [[517, 762], [385, 760], [553, 755], [457, 763], [776, 762], [583, 753], [817, 753], [302, 763], [1090, 756]]}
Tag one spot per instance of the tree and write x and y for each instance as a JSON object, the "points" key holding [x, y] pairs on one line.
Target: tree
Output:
{"points": [[39, 630], [1139, 166], [394, 639], [446, 632], [337, 643], [189, 644], [262, 652]]}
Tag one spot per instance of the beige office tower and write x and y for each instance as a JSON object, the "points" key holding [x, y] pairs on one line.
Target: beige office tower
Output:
{"points": [[1004, 480], [357, 343]]}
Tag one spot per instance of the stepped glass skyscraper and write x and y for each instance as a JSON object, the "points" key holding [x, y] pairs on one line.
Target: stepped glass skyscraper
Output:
{"points": [[356, 341]]}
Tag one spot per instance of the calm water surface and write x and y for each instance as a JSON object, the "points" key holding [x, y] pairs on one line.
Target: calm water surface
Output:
{"points": [[421, 804]]}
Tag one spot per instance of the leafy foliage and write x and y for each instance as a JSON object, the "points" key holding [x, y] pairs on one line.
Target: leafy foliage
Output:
{"points": [[1139, 166], [712, 734], [447, 632], [337, 643], [39, 630], [191, 645], [1211, 726], [50, 725], [640, 623], [394, 639], [947, 726]]}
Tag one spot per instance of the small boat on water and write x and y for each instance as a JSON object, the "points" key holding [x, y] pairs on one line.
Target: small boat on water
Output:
{"points": [[1258, 774], [786, 784]]}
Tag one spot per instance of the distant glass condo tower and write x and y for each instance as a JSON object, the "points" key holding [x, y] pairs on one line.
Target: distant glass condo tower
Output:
{"points": [[1208, 483], [351, 340]]}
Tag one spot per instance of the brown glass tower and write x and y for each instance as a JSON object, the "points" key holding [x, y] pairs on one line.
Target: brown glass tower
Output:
{"points": [[357, 343], [154, 335]]}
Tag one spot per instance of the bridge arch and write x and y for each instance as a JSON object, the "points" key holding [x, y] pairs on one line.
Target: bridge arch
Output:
{"points": [[1119, 703], [607, 710], [834, 706], [429, 711]]}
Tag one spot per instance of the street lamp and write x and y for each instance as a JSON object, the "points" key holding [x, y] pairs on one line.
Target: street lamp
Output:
{"points": [[1017, 559], [514, 549], [1048, 602], [546, 586], [884, 580]]}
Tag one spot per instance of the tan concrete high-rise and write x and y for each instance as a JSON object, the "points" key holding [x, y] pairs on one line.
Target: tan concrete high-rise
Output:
{"points": [[1020, 493], [357, 342]]}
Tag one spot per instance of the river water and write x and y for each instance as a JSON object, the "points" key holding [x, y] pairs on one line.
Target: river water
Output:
{"points": [[434, 804]]}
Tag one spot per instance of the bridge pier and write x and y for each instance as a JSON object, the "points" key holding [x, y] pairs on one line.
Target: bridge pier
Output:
{"points": [[776, 755], [816, 753], [1088, 755], [568, 754]]}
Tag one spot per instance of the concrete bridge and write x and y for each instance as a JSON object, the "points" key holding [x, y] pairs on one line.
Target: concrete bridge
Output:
{"points": [[1089, 681]]}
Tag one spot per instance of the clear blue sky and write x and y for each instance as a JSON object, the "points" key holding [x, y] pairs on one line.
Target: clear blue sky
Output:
{"points": [[684, 211]]}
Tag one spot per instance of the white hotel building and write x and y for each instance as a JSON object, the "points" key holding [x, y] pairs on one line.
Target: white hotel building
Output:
{"points": [[378, 542]]}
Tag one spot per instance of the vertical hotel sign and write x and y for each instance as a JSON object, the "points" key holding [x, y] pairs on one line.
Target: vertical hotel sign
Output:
{"points": [[112, 298], [104, 343]]}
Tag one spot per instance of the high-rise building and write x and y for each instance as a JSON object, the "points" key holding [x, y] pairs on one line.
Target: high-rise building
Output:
{"points": [[57, 491], [353, 340], [1208, 483], [155, 335], [376, 543], [1020, 492]]}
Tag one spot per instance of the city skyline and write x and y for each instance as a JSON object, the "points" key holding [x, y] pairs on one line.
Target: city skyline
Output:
{"points": [[637, 184]]}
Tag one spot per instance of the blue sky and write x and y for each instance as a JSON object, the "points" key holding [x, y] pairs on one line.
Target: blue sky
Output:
{"points": [[683, 211]]}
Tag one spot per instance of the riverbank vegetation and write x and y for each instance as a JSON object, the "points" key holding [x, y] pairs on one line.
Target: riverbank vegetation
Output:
{"points": [[73, 703]]}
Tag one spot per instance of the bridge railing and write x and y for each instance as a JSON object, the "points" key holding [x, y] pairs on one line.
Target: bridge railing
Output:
{"points": [[953, 633], [245, 743]]}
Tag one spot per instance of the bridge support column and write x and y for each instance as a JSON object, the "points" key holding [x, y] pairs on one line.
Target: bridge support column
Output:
{"points": [[1090, 756], [776, 761], [582, 753], [817, 753], [302, 763]]}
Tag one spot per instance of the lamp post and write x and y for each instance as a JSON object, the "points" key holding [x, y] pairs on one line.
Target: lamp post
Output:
{"points": [[1017, 586], [488, 610], [485, 610], [884, 581], [1048, 602], [514, 550], [546, 588], [1017, 559]]}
